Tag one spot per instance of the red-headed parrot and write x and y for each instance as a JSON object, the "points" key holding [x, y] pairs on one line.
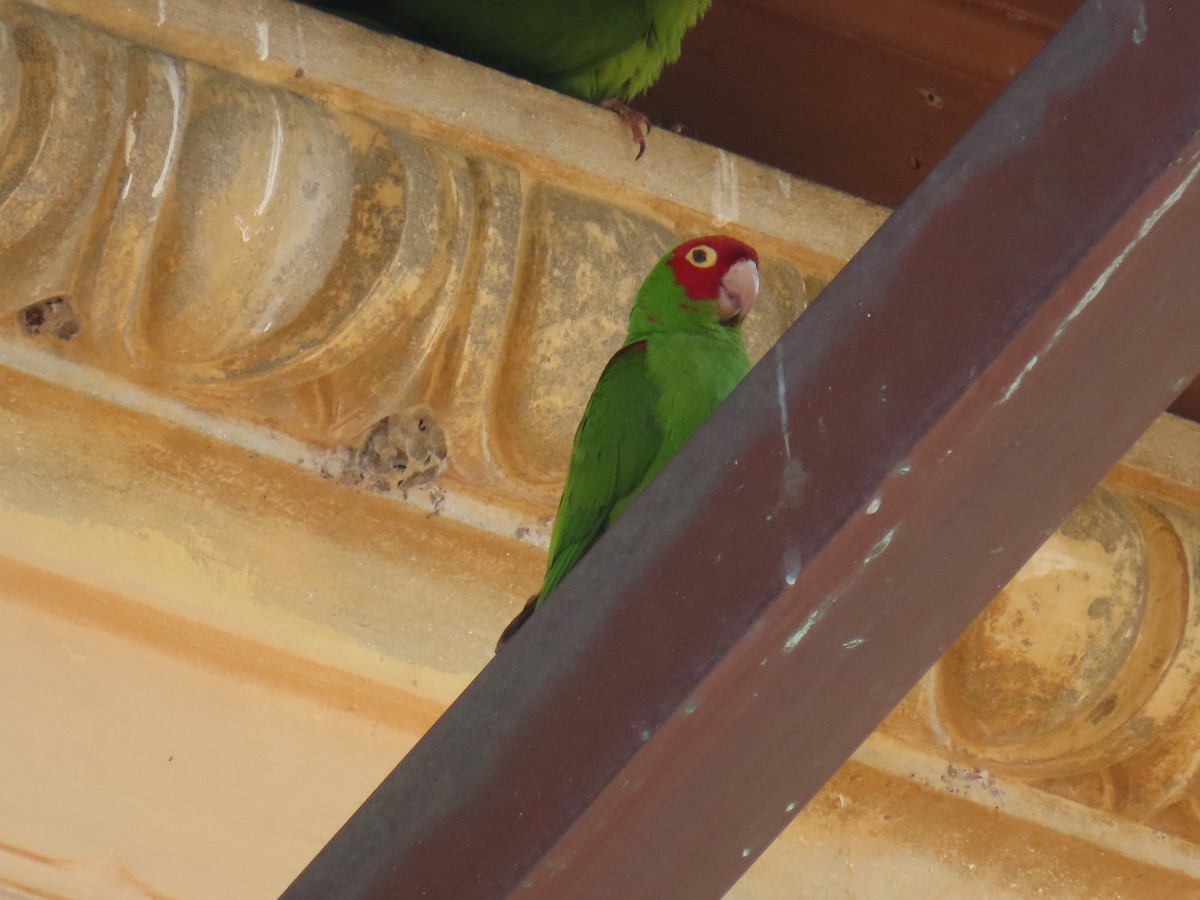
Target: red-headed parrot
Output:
{"points": [[682, 356], [598, 50]]}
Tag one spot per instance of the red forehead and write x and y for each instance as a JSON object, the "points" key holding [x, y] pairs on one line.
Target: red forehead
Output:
{"points": [[703, 283]]}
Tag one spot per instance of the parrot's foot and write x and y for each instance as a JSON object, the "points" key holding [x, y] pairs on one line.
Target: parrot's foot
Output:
{"points": [[636, 122], [515, 625]]}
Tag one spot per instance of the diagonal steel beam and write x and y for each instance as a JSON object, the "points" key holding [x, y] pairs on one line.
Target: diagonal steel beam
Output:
{"points": [[888, 466]]}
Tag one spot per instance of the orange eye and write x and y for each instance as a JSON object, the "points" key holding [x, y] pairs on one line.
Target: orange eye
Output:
{"points": [[702, 257]]}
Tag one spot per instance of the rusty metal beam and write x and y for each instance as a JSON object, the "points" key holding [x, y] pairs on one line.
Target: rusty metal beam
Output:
{"points": [[1008, 333]]}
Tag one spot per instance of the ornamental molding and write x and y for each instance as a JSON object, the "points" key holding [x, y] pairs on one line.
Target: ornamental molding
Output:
{"points": [[240, 247], [270, 246]]}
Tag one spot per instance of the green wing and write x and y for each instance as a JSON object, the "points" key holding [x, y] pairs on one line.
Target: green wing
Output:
{"points": [[544, 40], [594, 49], [615, 445], [541, 39]]}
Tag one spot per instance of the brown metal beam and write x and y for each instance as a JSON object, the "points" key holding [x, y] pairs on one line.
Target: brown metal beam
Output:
{"points": [[1007, 334], [866, 97]]}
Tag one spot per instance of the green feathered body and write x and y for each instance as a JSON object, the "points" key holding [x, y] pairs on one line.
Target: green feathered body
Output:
{"points": [[592, 49], [677, 364]]}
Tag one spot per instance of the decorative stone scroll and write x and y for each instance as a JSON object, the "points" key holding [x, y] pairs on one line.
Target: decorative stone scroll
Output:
{"points": [[273, 257], [1083, 676], [282, 223]]}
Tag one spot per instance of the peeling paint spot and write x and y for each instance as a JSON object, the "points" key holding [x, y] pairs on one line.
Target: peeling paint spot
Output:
{"points": [[725, 190], [1012, 388], [273, 163], [794, 478], [854, 642], [745, 852], [781, 395], [904, 469], [827, 604], [645, 734], [174, 87], [873, 506], [792, 565], [880, 546], [300, 40], [1102, 280], [1180, 384], [1139, 30], [996, 550], [797, 636], [791, 807], [262, 39], [130, 136], [813, 618], [1147, 227], [691, 707]]}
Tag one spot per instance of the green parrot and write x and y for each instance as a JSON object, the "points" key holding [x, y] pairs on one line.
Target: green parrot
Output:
{"points": [[603, 51], [682, 356]]}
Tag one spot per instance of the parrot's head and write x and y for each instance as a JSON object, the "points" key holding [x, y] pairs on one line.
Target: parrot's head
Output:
{"points": [[719, 270]]}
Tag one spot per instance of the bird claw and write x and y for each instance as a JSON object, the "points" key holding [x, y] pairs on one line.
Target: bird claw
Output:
{"points": [[636, 122]]}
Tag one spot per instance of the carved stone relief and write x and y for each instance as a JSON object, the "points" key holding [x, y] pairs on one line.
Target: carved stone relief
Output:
{"points": [[425, 303], [1080, 677], [272, 257]]}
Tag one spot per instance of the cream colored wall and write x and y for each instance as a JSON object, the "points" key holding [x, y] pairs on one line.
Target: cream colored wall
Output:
{"points": [[223, 614]]}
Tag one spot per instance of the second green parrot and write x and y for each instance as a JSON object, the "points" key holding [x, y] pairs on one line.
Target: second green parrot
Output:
{"points": [[683, 354], [604, 51]]}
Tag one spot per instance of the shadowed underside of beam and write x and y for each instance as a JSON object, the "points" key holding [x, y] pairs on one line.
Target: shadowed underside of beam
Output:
{"points": [[882, 472]]}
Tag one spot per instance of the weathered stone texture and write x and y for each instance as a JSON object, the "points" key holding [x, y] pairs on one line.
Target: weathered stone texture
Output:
{"points": [[250, 256]]}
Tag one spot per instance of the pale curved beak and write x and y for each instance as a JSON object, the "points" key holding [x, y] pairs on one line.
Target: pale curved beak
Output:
{"points": [[739, 289]]}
